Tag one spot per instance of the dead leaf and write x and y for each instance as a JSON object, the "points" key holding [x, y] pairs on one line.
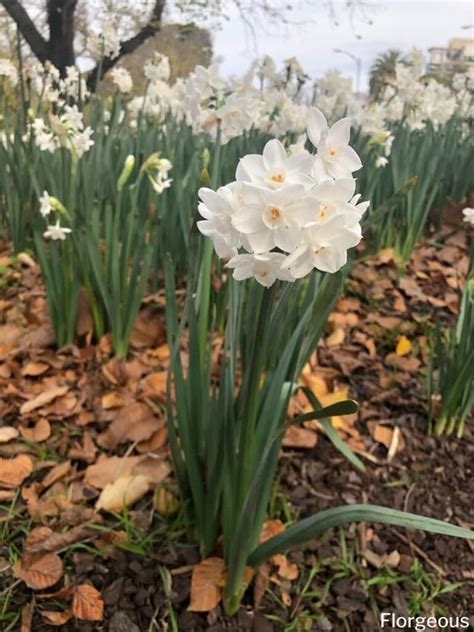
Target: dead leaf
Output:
{"points": [[336, 338], [7, 433], [404, 346], [43, 572], [108, 469], [286, 570], [33, 369], [207, 581], [56, 474], [40, 431], [26, 617], [14, 471], [382, 434], [153, 469], [43, 398], [260, 584], [296, 437], [270, 528], [122, 493], [165, 503], [154, 385], [135, 422], [87, 604], [115, 399], [56, 618]]}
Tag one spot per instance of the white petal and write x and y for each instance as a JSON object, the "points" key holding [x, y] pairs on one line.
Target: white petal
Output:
{"points": [[274, 155], [316, 125], [340, 133]]}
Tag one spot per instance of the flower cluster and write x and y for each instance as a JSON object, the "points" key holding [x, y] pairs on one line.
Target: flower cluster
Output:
{"points": [[67, 130], [122, 79], [286, 215]]}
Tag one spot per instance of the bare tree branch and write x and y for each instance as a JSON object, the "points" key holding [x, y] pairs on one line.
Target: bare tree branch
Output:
{"points": [[129, 45], [26, 26]]}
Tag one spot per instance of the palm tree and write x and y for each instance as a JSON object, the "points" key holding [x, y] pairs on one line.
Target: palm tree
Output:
{"points": [[382, 72]]}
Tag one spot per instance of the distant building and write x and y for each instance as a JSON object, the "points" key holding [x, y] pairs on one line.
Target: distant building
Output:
{"points": [[458, 56]]}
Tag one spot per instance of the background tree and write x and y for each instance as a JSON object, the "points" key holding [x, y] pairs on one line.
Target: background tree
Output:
{"points": [[58, 30], [382, 72]]}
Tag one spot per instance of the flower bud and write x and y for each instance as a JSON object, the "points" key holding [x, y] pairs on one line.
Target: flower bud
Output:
{"points": [[126, 171]]}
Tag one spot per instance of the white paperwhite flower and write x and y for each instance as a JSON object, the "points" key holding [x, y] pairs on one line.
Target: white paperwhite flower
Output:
{"points": [[122, 79], [160, 181], [265, 268], [381, 161], [324, 247], [469, 215], [82, 141], [273, 218], [56, 232], [274, 168], [218, 208], [158, 69], [45, 204], [335, 155]]}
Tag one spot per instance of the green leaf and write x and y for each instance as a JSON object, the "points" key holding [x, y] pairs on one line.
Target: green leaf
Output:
{"points": [[313, 526], [345, 407], [329, 430]]}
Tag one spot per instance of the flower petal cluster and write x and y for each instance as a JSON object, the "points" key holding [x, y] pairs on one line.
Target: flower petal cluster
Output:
{"points": [[277, 220]]}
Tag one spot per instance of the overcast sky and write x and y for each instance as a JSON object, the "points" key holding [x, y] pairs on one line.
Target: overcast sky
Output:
{"points": [[398, 24]]}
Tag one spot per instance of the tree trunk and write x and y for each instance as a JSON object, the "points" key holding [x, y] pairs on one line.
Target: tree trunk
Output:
{"points": [[61, 33]]}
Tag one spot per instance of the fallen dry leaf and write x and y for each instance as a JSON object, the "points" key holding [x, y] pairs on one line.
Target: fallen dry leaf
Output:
{"points": [[296, 437], [43, 398], [404, 346], [33, 369], [164, 502], [108, 469], [382, 434], [56, 618], [87, 604], [122, 493], [43, 572], [207, 581], [286, 570], [7, 433], [336, 338], [271, 528], [14, 471], [40, 431]]}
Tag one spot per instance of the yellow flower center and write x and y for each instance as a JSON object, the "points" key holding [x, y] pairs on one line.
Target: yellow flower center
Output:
{"points": [[275, 213], [278, 177]]}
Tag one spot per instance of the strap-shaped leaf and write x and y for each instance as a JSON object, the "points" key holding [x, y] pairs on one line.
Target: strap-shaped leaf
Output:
{"points": [[311, 527], [345, 407], [349, 406]]}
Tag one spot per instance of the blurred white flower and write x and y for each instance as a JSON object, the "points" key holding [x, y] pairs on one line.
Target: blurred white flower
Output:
{"points": [[381, 161], [158, 69], [56, 232], [122, 79], [45, 204], [469, 215]]}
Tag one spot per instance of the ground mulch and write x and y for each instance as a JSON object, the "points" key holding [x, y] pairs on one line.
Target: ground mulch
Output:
{"points": [[101, 408]]}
